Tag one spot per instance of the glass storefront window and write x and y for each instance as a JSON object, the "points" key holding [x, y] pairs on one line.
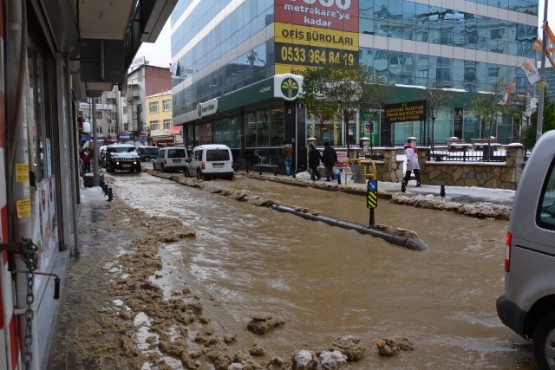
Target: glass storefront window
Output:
{"points": [[41, 155], [265, 128], [228, 131]]}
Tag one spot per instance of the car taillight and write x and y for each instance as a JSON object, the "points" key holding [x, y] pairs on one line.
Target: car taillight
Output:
{"points": [[203, 165], [508, 242]]}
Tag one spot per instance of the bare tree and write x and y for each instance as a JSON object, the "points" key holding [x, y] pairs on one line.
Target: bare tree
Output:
{"points": [[488, 105], [336, 91], [437, 98]]}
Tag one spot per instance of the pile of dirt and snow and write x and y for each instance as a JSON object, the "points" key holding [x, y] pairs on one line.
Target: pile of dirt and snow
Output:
{"points": [[115, 314], [478, 209]]}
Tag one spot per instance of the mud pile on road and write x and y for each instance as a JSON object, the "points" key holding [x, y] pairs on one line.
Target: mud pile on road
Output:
{"points": [[467, 207], [116, 314], [478, 209]]}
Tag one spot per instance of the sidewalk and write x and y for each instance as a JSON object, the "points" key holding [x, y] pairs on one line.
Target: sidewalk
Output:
{"points": [[462, 194]]}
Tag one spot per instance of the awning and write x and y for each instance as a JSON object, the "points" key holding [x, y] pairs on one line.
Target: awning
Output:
{"points": [[175, 129], [172, 131]]}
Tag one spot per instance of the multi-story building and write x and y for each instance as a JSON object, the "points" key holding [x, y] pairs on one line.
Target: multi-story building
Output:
{"points": [[549, 77], [236, 63], [55, 55], [159, 123], [107, 116], [142, 80]]}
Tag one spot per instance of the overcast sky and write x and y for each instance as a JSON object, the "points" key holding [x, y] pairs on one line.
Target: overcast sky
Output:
{"points": [[159, 53]]}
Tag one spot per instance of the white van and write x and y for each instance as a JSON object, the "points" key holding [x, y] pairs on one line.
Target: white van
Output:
{"points": [[170, 158], [210, 160], [528, 305]]}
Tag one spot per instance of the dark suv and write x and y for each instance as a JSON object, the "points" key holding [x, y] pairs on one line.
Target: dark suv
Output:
{"points": [[147, 152], [122, 157]]}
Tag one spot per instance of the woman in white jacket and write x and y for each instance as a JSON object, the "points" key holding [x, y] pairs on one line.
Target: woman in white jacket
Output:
{"points": [[412, 161]]}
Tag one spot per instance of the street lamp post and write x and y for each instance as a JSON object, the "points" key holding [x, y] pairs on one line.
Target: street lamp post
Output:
{"points": [[541, 100]]}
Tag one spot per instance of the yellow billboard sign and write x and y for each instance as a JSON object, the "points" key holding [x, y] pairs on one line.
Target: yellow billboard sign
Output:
{"points": [[286, 33]]}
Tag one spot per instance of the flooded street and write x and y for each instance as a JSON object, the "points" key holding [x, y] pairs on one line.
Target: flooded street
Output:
{"points": [[325, 282]]}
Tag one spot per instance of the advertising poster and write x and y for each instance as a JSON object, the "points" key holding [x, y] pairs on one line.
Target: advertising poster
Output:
{"points": [[53, 221], [45, 234], [310, 33]]}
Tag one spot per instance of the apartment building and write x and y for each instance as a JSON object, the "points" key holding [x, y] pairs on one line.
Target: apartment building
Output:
{"points": [[142, 80], [159, 123]]}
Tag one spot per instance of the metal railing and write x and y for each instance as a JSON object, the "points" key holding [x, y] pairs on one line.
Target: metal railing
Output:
{"points": [[467, 154]]}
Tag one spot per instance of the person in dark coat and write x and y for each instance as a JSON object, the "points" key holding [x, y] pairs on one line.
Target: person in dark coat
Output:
{"points": [[87, 161], [314, 158], [329, 157]]}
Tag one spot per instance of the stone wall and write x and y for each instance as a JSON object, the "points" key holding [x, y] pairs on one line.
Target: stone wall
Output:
{"points": [[501, 175], [389, 169]]}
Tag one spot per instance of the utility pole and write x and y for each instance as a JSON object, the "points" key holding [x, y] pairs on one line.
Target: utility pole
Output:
{"points": [[541, 100], [95, 148]]}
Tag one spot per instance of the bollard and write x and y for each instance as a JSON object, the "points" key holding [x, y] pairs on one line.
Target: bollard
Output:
{"points": [[403, 187], [442, 191], [110, 195]]}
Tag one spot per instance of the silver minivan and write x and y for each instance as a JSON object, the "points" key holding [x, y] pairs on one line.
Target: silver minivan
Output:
{"points": [[210, 160], [528, 304], [170, 158]]}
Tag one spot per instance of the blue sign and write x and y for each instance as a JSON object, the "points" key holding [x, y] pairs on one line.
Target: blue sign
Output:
{"points": [[372, 185], [126, 136]]}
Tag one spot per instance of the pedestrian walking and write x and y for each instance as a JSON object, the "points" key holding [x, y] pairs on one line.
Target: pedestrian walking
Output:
{"points": [[87, 161], [329, 157], [412, 161], [287, 153], [314, 158]]}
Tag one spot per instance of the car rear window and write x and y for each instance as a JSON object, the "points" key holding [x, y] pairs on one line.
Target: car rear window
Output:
{"points": [[217, 155], [547, 209], [176, 153]]}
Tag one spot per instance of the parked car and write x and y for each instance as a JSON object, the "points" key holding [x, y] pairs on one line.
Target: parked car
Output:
{"points": [[148, 152], [528, 304], [211, 160], [170, 159], [122, 157]]}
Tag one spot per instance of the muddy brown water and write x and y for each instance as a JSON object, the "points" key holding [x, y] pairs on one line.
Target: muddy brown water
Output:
{"points": [[326, 282]]}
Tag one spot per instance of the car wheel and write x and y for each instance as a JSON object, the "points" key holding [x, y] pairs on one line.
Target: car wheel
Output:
{"points": [[544, 342], [138, 169]]}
